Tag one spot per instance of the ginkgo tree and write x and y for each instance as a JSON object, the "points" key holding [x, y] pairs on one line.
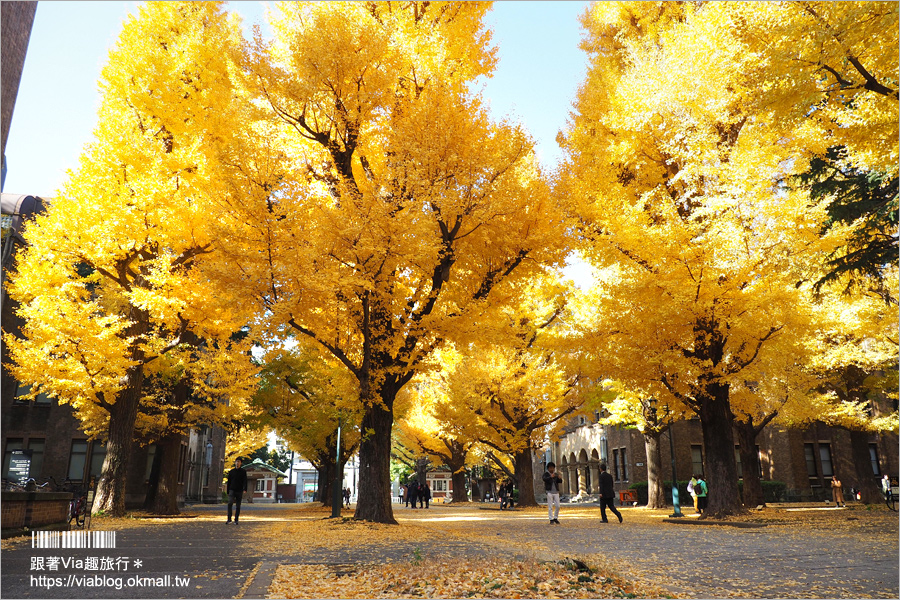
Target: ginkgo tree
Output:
{"points": [[513, 390], [111, 280], [676, 173], [855, 373], [437, 426], [305, 397], [378, 208]]}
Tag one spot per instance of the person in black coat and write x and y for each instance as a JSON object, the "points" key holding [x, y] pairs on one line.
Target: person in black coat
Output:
{"points": [[424, 494], [413, 493], [607, 494], [235, 487]]}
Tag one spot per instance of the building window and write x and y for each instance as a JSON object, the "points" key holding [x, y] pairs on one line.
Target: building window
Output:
{"points": [[825, 457], [77, 458], [11, 444], [581, 420], [737, 462], [182, 459], [616, 463], [438, 485], [98, 455], [42, 399], [697, 459], [151, 453], [624, 465], [873, 456], [810, 453], [37, 456]]}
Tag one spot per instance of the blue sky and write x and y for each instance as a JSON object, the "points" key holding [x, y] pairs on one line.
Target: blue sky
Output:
{"points": [[540, 69]]}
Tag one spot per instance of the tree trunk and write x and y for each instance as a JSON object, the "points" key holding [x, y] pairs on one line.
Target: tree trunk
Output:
{"points": [[459, 486], [656, 492], [153, 480], [717, 422], [525, 478], [110, 493], [862, 477], [166, 499], [326, 479], [753, 492], [374, 503]]}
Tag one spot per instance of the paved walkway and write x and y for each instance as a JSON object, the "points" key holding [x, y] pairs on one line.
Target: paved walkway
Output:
{"points": [[851, 554], [833, 554]]}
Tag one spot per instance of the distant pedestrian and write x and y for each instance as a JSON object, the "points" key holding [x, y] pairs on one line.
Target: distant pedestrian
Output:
{"points": [[347, 497], [402, 492], [424, 494], [837, 491], [607, 494], [702, 490], [886, 486], [502, 492], [552, 484], [413, 494], [693, 492], [235, 486]]}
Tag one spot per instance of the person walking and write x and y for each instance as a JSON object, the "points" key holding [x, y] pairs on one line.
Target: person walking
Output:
{"points": [[607, 494], [552, 483], [702, 490], [235, 487], [837, 491], [347, 497], [402, 492]]}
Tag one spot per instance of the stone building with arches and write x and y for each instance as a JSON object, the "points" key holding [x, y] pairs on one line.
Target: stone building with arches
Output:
{"points": [[803, 459]]}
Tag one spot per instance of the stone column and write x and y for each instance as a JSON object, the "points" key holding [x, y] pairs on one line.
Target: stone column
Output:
{"points": [[582, 479], [573, 480], [595, 476]]}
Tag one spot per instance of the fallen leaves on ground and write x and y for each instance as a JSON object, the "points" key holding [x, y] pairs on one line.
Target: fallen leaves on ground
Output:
{"points": [[456, 578]]}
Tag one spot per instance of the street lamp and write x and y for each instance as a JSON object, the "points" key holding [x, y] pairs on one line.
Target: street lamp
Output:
{"points": [[675, 505], [336, 493]]}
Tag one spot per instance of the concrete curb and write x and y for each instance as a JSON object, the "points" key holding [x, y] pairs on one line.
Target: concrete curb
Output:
{"points": [[740, 524], [262, 579]]}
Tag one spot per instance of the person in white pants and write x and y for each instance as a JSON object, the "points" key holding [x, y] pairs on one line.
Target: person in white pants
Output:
{"points": [[552, 483]]}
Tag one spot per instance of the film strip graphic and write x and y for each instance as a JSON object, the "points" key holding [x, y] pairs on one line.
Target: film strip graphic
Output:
{"points": [[73, 539]]}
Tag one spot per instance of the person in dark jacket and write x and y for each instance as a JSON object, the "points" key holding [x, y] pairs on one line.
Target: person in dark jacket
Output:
{"points": [[424, 494], [413, 493], [235, 487], [607, 494], [552, 483]]}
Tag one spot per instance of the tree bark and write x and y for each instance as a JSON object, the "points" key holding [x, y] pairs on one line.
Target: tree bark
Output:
{"points": [[110, 493], [153, 480], [525, 478], [717, 422], [165, 501], [753, 492], [459, 486], [862, 477], [656, 492], [374, 502], [326, 479]]}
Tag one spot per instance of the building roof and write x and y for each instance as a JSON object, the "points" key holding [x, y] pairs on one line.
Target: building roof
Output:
{"points": [[258, 465]]}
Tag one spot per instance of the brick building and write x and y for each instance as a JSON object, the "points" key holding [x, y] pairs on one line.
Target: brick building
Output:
{"points": [[803, 459]]}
